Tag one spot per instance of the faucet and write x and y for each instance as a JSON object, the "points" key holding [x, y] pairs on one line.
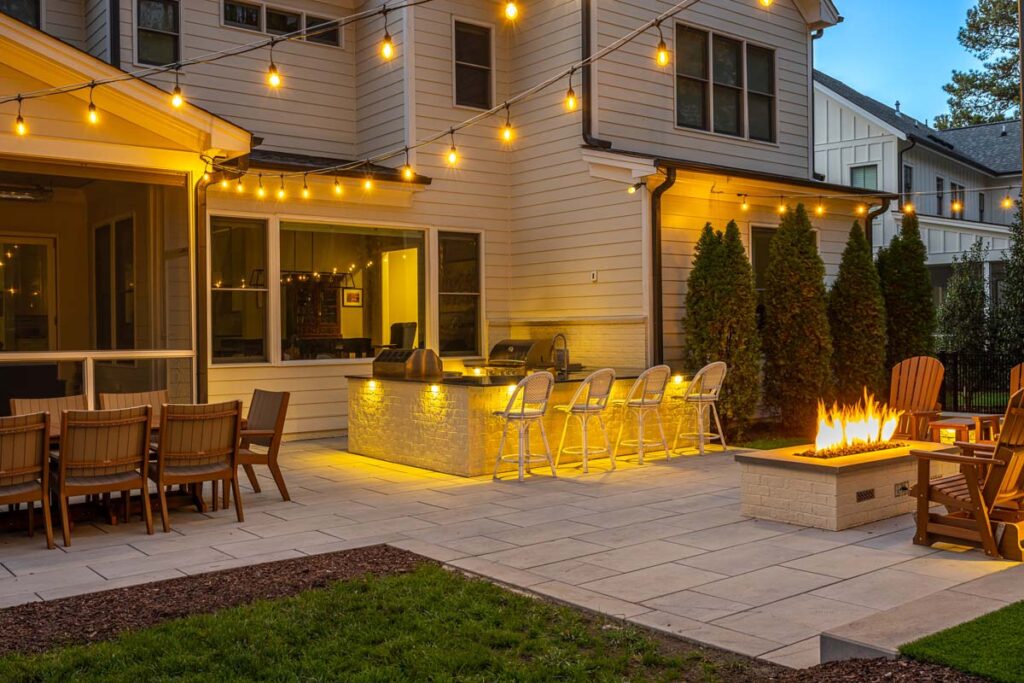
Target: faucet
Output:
{"points": [[561, 359]]}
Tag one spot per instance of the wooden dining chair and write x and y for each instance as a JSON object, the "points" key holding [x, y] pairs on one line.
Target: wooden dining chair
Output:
{"points": [[263, 428], [54, 406], [198, 443], [24, 466], [914, 389], [103, 451], [157, 399]]}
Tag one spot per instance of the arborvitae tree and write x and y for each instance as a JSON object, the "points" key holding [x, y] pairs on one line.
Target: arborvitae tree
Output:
{"points": [[962, 317], [1008, 313], [907, 290], [721, 322], [796, 337], [856, 313]]}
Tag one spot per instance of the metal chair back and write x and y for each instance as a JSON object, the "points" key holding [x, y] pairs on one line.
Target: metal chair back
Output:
{"points": [[594, 392], [707, 383], [531, 396]]}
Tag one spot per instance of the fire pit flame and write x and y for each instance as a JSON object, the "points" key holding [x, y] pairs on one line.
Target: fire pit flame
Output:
{"points": [[855, 427]]}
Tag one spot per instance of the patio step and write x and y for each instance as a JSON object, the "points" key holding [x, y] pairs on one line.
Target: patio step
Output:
{"points": [[882, 634]]}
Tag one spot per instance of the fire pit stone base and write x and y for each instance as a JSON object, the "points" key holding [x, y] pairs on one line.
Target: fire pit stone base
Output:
{"points": [[831, 493]]}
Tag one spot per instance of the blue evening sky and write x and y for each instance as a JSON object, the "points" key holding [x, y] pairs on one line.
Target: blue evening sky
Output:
{"points": [[897, 50]]}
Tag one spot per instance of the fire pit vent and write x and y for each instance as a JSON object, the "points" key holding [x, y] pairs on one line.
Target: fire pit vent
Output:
{"points": [[865, 495]]}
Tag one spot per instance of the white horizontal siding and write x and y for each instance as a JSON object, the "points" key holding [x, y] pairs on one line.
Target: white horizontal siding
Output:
{"points": [[65, 19]]}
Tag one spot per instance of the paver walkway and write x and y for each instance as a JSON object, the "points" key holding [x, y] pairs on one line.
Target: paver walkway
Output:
{"points": [[663, 545]]}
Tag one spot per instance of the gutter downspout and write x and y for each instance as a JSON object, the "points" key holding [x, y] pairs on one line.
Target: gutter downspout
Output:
{"points": [[899, 160], [872, 215], [586, 12], [201, 304], [114, 26], [658, 306]]}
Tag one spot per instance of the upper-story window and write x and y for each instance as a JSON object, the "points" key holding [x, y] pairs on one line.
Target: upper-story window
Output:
{"points": [[940, 195], [159, 32], [28, 11], [956, 192], [473, 69], [278, 21], [724, 85], [865, 177]]}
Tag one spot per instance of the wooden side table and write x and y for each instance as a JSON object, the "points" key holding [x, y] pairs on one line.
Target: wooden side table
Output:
{"points": [[981, 424]]}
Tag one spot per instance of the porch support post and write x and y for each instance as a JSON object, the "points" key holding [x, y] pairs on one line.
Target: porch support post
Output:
{"points": [[202, 314]]}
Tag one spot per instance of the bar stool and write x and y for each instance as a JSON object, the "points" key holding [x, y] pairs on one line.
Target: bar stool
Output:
{"points": [[525, 408], [589, 401], [644, 398], [702, 394]]}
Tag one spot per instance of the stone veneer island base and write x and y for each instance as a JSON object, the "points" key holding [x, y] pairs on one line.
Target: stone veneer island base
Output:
{"points": [[832, 493]]}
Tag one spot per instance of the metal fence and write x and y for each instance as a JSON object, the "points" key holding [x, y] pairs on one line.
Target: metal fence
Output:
{"points": [[976, 382]]}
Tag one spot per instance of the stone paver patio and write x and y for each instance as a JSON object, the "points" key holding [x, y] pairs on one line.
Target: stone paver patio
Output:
{"points": [[661, 545]]}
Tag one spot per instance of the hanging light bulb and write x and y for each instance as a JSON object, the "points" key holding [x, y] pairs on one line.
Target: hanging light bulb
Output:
{"points": [[407, 173], [280, 189], [1007, 202], [507, 132], [176, 97], [224, 183], [273, 75], [511, 10], [238, 185], [206, 173], [367, 183], [819, 209], [387, 46], [20, 127], [908, 207], [305, 188], [766, 3], [662, 56], [453, 154], [93, 114], [337, 186], [570, 95], [861, 209], [781, 208], [744, 204], [957, 206], [260, 192]]}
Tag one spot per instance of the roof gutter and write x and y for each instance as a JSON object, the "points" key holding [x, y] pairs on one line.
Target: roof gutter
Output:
{"points": [[586, 13], [657, 305]]}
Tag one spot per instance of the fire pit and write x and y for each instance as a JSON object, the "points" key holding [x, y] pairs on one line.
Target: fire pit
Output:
{"points": [[853, 474]]}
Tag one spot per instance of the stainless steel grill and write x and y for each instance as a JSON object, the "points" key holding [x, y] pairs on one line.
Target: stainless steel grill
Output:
{"points": [[516, 356]]}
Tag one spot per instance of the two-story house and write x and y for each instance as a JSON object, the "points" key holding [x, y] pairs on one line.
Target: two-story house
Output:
{"points": [[144, 274], [963, 183]]}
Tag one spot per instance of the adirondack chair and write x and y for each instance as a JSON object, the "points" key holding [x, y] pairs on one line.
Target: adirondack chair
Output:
{"points": [[983, 501], [1016, 378], [914, 389]]}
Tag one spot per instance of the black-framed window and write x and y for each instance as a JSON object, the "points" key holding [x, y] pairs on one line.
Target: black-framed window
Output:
{"points": [[865, 177], [159, 31], [981, 207], [28, 11], [724, 85], [459, 300], [956, 198], [908, 185], [940, 196], [281, 21], [692, 78], [761, 93], [327, 36], [473, 65], [238, 289], [243, 15]]}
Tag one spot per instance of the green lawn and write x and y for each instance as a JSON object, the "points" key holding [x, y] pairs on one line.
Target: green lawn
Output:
{"points": [[990, 646], [430, 625]]}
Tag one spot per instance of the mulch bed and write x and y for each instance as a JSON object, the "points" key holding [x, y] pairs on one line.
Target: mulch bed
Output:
{"points": [[81, 619], [40, 626]]}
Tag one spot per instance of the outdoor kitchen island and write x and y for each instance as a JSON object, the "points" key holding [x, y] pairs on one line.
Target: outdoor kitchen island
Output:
{"points": [[448, 425]]}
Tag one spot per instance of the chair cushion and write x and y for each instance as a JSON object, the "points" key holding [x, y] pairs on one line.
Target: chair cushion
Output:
{"points": [[24, 488], [197, 471], [104, 479]]}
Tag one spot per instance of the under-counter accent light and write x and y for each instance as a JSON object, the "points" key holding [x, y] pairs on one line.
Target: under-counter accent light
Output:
{"points": [[477, 372], [677, 379], [511, 388], [372, 385], [435, 388]]}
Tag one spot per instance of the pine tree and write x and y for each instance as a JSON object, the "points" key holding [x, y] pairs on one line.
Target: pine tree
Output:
{"points": [[1008, 313], [721, 323], [796, 337], [962, 317], [907, 290], [856, 313]]}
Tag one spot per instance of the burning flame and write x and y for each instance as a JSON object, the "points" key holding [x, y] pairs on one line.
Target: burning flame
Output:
{"points": [[865, 423]]}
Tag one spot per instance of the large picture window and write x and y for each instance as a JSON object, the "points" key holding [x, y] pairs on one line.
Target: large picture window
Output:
{"points": [[238, 297], [347, 292], [159, 32], [114, 277], [724, 85], [472, 65], [459, 306]]}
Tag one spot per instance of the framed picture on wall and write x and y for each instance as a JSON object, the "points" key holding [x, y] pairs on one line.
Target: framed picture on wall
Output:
{"points": [[352, 297]]}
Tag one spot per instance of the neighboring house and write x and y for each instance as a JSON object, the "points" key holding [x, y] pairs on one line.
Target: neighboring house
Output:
{"points": [[962, 182], [214, 290]]}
